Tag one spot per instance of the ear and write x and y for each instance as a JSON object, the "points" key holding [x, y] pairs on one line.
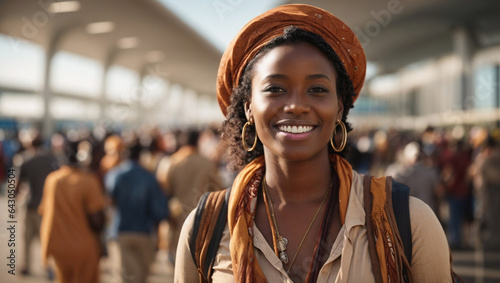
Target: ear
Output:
{"points": [[248, 112], [340, 111]]}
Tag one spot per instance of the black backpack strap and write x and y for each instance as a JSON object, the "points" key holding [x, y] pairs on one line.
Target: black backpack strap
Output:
{"points": [[196, 226], [401, 207], [198, 238], [217, 235]]}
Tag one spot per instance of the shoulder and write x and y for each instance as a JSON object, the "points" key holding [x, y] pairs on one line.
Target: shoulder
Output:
{"points": [[87, 173], [124, 169], [185, 269], [430, 254], [58, 174], [53, 174], [422, 217], [187, 226], [52, 177]]}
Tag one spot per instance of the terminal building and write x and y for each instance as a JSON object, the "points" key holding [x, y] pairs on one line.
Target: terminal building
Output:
{"points": [[136, 63]]}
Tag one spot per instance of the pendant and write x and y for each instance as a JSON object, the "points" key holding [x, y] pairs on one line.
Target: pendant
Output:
{"points": [[282, 242], [284, 257]]}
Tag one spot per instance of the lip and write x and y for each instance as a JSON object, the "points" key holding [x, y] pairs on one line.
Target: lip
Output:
{"points": [[295, 137], [292, 122], [297, 123]]}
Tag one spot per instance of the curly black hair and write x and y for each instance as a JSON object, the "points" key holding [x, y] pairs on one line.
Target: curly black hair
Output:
{"points": [[238, 157]]}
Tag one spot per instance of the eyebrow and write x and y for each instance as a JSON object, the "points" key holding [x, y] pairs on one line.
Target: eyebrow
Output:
{"points": [[309, 77], [317, 76], [276, 76]]}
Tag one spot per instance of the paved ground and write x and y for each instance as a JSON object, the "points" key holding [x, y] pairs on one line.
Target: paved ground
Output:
{"points": [[472, 266], [477, 266], [161, 272]]}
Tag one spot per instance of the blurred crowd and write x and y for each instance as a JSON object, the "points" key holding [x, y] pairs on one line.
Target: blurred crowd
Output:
{"points": [[83, 189], [456, 171]]}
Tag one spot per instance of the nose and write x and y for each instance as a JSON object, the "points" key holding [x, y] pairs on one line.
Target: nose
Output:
{"points": [[297, 104]]}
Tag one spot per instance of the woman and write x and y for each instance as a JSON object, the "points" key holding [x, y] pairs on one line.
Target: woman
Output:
{"points": [[72, 210], [286, 84]]}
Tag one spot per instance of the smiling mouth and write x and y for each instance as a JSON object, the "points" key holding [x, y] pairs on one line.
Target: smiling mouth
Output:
{"points": [[295, 129]]}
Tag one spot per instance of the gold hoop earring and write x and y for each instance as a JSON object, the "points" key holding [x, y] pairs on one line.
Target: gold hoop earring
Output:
{"points": [[344, 138], [243, 138]]}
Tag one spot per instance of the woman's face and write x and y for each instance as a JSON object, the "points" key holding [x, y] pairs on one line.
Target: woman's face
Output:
{"points": [[294, 101]]}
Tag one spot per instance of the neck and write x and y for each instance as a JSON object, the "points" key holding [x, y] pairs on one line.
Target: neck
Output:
{"points": [[298, 181]]}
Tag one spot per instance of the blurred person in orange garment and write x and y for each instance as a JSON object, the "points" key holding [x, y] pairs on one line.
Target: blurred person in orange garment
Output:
{"points": [[72, 215]]}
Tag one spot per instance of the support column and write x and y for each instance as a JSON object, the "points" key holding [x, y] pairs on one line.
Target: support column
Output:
{"points": [[48, 124], [496, 85], [465, 46], [108, 62]]}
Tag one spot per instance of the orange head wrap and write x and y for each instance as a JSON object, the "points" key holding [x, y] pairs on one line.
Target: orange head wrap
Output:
{"points": [[262, 29]]}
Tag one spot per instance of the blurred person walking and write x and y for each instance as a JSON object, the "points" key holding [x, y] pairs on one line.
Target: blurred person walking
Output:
{"points": [[489, 195], [189, 175], [154, 150], [420, 175], [33, 172], [72, 216], [3, 163], [458, 191], [114, 151], [141, 205], [113, 148]]}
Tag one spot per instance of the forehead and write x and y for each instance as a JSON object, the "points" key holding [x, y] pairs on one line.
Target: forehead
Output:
{"points": [[289, 57]]}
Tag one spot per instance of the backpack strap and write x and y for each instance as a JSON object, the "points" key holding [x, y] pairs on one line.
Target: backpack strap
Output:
{"points": [[208, 227], [401, 207]]}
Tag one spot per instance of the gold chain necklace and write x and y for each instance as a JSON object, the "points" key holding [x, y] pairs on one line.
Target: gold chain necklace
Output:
{"points": [[280, 242]]}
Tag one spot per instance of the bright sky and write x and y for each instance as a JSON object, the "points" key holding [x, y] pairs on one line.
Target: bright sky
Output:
{"points": [[219, 21]]}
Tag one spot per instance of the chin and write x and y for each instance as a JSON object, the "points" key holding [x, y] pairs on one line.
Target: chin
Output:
{"points": [[298, 155]]}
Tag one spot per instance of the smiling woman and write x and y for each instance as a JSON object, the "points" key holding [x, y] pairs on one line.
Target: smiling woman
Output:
{"points": [[332, 72], [297, 211], [293, 89]]}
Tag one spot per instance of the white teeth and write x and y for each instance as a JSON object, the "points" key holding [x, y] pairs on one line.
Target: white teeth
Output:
{"points": [[295, 129]]}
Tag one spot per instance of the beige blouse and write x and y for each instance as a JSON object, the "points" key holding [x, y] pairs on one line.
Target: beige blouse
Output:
{"points": [[349, 259]]}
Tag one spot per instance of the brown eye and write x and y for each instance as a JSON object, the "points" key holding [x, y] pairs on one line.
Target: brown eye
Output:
{"points": [[274, 89], [318, 90]]}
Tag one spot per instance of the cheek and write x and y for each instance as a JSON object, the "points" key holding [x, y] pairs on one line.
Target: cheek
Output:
{"points": [[330, 115], [261, 107], [263, 113]]}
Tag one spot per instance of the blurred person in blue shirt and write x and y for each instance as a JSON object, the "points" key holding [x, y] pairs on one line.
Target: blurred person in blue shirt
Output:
{"points": [[141, 205]]}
